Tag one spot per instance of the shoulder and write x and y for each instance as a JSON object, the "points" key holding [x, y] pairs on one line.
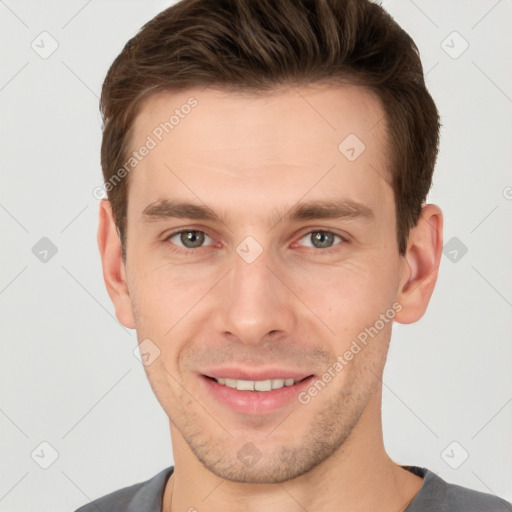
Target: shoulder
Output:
{"points": [[469, 500], [438, 495], [141, 497]]}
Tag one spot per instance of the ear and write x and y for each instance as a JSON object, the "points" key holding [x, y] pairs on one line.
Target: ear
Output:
{"points": [[114, 272], [420, 265]]}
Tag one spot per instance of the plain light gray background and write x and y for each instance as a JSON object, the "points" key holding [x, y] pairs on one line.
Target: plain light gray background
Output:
{"points": [[69, 376]]}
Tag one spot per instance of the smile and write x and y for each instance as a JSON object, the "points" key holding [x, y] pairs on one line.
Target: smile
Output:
{"points": [[257, 385], [255, 396]]}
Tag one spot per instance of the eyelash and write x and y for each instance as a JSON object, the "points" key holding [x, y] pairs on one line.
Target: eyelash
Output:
{"points": [[316, 250]]}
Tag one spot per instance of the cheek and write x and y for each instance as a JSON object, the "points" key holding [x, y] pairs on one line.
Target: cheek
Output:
{"points": [[169, 303], [165, 292], [350, 296]]}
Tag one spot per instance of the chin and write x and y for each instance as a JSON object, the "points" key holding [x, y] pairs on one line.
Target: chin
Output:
{"points": [[275, 465]]}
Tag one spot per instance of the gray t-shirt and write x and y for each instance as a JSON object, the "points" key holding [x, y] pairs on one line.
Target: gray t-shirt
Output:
{"points": [[435, 495]]}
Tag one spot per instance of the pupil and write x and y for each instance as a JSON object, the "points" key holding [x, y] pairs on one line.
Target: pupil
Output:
{"points": [[192, 239], [322, 240]]}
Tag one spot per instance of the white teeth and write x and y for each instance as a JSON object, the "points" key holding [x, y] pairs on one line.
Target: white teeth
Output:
{"points": [[262, 385], [245, 385], [277, 383], [256, 385], [231, 383]]}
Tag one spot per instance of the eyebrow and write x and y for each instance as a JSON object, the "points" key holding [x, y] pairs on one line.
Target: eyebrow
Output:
{"points": [[163, 209]]}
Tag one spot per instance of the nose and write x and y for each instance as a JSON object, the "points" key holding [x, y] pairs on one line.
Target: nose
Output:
{"points": [[254, 303]]}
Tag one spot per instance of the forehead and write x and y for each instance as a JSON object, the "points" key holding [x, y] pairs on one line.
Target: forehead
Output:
{"points": [[285, 115], [320, 140]]}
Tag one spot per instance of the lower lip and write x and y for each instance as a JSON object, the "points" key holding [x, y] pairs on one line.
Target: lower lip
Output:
{"points": [[255, 402]]}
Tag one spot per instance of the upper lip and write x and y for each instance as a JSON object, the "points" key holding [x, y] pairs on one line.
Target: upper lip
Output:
{"points": [[252, 374]]}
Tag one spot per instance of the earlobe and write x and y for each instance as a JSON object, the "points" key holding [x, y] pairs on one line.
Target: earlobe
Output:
{"points": [[114, 272], [420, 265]]}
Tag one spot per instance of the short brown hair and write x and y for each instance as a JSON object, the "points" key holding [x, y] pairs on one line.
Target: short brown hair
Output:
{"points": [[257, 45]]}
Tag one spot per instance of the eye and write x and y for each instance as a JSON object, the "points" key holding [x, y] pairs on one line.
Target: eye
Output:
{"points": [[189, 239], [320, 239], [195, 239]]}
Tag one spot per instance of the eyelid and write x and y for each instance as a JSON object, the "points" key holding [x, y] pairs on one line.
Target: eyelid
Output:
{"points": [[308, 235], [343, 238], [167, 237]]}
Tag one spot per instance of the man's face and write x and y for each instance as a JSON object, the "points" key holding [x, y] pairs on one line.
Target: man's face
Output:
{"points": [[271, 284]]}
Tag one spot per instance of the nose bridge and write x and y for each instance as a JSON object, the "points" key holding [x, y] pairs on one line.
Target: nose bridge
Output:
{"points": [[254, 301]]}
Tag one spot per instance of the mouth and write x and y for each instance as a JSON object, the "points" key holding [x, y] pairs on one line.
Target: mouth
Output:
{"points": [[256, 385], [254, 394]]}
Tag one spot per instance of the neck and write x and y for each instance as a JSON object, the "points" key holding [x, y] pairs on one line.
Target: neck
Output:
{"points": [[359, 476]]}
